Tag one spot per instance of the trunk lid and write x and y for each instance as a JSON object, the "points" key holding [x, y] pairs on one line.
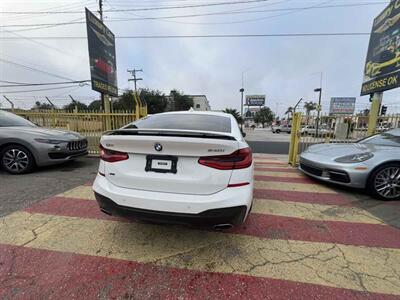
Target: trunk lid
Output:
{"points": [[186, 147]]}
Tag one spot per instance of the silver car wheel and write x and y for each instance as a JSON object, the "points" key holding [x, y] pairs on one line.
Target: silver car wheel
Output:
{"points": [[387, 182], [15, 160]]}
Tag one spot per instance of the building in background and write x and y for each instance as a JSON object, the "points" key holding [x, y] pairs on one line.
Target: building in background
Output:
{"points": [[253, 104], [249, 113], [200, 102]]}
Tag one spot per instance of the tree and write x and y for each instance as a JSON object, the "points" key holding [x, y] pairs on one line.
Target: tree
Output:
{"points": [[156, 101], [290, 112], [180, 101], [125, 102], [309, 107], [39, 105], [95, 105], [71, 106], [234, 113], [263, 116]]}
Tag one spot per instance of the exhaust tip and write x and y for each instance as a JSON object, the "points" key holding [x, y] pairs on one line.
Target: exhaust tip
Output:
{"points": [[222, 226], [105, 212]]}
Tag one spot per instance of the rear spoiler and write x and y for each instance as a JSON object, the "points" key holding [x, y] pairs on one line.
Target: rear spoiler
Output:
{"points": [[171, 132]]}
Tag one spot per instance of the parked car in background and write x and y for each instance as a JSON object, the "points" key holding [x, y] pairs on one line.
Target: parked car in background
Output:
{"points": [[282, 128], [372, 164], [177, 167], [24, 145], [312, 130]]}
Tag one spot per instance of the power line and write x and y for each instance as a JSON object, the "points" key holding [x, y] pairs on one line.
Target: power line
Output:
{"points": [[18, 84], [34, 69], [326, 34], [138, 9], [73, 22], [37, 90]]}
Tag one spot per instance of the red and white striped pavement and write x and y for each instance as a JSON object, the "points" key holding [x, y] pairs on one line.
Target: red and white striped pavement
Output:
{"points": [[303, 240]]}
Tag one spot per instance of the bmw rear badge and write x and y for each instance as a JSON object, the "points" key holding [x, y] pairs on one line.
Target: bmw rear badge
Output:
{"points": [[158, 147]]}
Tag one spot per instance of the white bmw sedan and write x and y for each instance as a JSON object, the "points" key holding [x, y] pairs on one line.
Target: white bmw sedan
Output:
{"points": [[177, 167]]}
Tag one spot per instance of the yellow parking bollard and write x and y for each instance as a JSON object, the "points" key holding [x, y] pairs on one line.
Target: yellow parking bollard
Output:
{"points": [[295, 139]]}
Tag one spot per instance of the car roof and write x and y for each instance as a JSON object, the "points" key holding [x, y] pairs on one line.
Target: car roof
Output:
{"points": [[210, 113]]}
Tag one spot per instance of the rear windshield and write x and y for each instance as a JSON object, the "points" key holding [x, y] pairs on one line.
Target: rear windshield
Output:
{"points": [[184, 122]]}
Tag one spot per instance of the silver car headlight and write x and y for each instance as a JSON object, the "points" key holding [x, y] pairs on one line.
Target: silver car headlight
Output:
{"points": [[48, 141], [355, 158]]}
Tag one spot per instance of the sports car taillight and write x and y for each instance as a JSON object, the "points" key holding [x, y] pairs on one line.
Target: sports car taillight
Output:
{"points": [[112, 155], [239, 159]]}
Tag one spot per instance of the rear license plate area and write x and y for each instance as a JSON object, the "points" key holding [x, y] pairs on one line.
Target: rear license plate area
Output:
{"points": [[161, 163]]}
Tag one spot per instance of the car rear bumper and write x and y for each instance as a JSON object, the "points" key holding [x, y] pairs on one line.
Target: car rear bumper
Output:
{"points": [[229, 206], [230, 215]]}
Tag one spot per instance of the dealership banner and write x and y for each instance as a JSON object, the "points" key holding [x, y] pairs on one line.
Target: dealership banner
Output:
{"points": [[382, 68], [255, 100], [342, 106], [103, 68]]}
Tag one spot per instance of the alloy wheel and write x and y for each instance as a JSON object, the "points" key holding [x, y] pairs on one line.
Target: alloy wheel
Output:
{"points": [[387, 182], [15, 160]]}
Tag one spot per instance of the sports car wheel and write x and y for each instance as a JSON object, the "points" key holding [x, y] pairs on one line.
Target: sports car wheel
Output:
{"points": [[384, 182], [16, 159]]}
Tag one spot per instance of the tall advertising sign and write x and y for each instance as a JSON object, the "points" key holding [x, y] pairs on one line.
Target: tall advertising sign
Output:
{"points": [[342, 106], [103, 68], [255, 100], [382, 68]]}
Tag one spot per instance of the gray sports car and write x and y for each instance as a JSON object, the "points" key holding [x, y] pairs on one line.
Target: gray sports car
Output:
{"points": [[372, 163], [24, 145]]}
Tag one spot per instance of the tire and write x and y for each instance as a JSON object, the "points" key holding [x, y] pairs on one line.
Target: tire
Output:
{"points": [[277, 131], [384, 182], [16, 159]]}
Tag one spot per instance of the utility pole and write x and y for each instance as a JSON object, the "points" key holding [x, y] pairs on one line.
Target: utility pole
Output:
{"points": [[101, 10], [319, 105], [318, 110], [134, 79], [9, 101], [241, 108], [138, 104]]}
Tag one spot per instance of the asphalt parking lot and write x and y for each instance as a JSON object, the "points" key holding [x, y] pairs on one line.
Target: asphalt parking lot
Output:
{"points": [[303, 240], [20, 191]]}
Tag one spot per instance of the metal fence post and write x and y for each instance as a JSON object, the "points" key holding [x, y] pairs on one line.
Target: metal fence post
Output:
{"points": [[295, 139]]}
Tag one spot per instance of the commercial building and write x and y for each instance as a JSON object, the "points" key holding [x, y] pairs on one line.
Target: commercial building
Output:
{"points": [[200, 102]]}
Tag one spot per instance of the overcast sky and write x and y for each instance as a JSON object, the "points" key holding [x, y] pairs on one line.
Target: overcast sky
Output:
{"points": [[284, 68]]}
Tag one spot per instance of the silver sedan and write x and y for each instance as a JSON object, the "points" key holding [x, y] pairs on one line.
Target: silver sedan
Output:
{"points": [[24, 145], [372, 163]]}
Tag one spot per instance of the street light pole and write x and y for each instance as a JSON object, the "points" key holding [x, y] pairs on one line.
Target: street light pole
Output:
{"points": [[318, 110], [241, 107]]}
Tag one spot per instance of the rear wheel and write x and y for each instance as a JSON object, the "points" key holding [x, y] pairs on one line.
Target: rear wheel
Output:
{"points": [[277, 131], [384, 182], [16, 159]]}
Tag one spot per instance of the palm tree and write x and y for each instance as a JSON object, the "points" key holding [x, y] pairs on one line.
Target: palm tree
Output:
{"points": [[234, 113], [309, 107], [290, 112]]}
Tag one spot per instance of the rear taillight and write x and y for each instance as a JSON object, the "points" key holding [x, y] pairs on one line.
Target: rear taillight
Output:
{"points": [[112, 155], [239, 159]]}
